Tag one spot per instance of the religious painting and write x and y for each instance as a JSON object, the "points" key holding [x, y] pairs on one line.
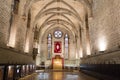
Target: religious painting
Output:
{"points": [[23, 70], [1, 72], [17, 72], [10, 72], [27, 69], [31, 68], [57, 47]]}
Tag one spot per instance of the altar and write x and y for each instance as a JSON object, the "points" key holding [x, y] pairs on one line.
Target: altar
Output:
{"points": [[57, 62]]}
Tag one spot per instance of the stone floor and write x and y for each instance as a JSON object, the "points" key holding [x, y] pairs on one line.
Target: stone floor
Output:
{"points": [[60, 75]]}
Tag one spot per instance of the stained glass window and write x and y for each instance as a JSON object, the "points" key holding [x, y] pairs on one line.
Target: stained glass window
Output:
{"points": [[66, 46], [49, 45], [58, 34]]}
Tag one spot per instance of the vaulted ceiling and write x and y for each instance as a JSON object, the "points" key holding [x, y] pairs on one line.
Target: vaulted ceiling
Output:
{"points": [[68, 14]]}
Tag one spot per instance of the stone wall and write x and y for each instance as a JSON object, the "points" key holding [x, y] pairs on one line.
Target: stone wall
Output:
{"points": [[105, 25], [43, 56], [104, 31], [72, 44], [20, 22], [5, 15]]}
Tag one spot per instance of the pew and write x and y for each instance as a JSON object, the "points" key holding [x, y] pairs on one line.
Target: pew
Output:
{"points": [[109, 70]]}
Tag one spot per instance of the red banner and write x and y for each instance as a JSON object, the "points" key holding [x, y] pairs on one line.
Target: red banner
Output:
{"points": [[57, 47]]}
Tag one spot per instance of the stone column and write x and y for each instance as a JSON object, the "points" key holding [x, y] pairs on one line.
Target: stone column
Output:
{"points": [[81, 46], [87, 37], [12, 38]]}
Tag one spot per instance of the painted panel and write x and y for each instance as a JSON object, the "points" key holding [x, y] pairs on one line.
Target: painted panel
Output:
{"points": [[57, 47]]}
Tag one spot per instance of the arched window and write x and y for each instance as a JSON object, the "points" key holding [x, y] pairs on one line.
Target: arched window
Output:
{"points": [[66, 46], [57, 34], [49, 38]]}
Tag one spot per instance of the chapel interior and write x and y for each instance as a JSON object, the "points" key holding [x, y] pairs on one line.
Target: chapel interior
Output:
{"points": [[59, 39]]}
